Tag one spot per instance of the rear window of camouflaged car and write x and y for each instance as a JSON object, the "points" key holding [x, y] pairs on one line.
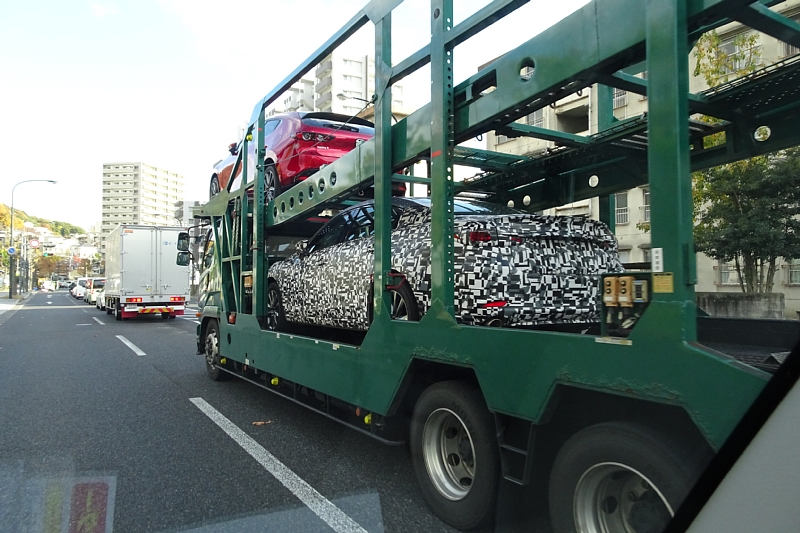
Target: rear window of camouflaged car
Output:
{"points": [[473, 207]]}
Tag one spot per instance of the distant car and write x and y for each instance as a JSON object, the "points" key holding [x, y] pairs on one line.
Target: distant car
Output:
{"points": [[511, 268], [297, 145], [92, 287], [100, 299], [80, 287]]}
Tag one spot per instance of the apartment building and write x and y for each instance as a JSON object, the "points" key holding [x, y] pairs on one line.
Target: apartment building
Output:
{"points": [[346, 82], [576, 114], [138, 193]]}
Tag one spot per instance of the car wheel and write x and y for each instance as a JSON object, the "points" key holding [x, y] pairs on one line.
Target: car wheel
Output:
{"points": [[275, 317], [403, 304], [272, 184], [214, 188], [455, 455], [619, 478], [211, 344]]}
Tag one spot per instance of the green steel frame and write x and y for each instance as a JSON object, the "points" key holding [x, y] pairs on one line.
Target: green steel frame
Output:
{"points": [[519, 372]]}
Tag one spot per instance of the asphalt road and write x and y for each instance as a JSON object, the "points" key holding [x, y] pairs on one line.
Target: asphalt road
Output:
{"points": [[100, 435]]}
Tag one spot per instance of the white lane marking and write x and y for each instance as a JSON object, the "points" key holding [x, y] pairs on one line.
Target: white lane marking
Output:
{"points": [[196, 321], [98, 321], [132, 346], [327, 511], [49, 303], [83, 324]]}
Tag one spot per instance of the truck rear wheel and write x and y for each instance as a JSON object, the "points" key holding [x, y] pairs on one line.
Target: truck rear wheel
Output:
{"points": [[618, 478], [211, 344], [455, 455], [117, 310]]}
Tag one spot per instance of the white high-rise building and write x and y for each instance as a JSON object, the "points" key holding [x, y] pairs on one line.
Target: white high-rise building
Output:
{"points": [[352, 76], [138, 193]]}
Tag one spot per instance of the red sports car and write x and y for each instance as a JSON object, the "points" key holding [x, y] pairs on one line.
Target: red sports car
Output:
{"points": [[297, 145]]}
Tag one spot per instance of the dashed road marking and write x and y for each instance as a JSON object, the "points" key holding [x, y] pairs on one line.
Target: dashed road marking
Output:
{"points": [[98, 321], [138, 351], [327, 511]]}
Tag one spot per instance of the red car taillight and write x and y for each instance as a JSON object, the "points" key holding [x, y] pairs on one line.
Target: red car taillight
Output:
{"points": [[479, 236], [310, 136]]}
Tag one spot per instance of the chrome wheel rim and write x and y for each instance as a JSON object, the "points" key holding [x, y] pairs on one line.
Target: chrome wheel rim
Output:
{"points": [[212, 348], [449, 454], [273, 309], [399, 309], [269, 181], [615, 498]]}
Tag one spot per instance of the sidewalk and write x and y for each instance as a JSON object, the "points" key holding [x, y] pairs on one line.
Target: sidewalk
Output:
{"points": [[7, 305]]}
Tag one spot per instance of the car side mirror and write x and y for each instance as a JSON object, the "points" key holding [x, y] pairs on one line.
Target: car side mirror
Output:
{"points": [[183, 259], [233, 148], [183, 241]]}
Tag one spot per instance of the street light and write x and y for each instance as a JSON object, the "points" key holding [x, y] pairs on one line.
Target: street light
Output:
{"points": [[343, 97], [11, 258]]}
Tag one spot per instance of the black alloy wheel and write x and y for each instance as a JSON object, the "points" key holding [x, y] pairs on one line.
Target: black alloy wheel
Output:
{"points": [[214, 188], [276, 320], [272, 184]]}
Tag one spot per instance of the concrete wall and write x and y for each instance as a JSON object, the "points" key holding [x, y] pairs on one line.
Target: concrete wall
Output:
{"points": [[741, 305]]}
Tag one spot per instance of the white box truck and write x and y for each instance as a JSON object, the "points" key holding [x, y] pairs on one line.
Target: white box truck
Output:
{"points": [[141, 274]]}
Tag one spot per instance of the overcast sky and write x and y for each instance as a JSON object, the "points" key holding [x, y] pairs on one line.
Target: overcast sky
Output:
{"points": [[169, 82]]}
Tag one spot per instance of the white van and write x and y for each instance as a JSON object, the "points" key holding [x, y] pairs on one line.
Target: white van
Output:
{"points": [[80, 287]]}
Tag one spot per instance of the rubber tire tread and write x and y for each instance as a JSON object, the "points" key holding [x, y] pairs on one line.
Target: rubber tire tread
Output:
{"points": [[477, 508], [213, 372], [656, 456], [281, 325]]}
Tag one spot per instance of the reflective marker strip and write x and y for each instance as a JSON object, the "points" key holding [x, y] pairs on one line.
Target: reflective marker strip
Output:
{"points": [[327, 511], [132, 346]]}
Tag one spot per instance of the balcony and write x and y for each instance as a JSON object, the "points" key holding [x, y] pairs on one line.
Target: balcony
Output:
{"points": [[324, 68], [321, 87], [324, 101]]}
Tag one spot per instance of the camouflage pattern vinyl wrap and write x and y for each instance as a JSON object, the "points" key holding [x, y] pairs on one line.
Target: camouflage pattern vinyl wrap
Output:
{"points": [[530, 269]]}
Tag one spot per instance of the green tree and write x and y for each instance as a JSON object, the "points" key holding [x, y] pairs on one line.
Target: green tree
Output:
{"points": [[747, 213]]}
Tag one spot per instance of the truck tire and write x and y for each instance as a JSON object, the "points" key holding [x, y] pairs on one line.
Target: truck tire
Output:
{"points": [[211, 343], [276, 320], [117, 311], [455, 455], [109, 307], [618, 478]]}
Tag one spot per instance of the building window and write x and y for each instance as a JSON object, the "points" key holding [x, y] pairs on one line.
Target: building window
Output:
{"points": [[646, 205], [621, 207], [647, 255], [620, 98], [624, 256], [536, 118], [741, 55], [728, 274], [794, 272]]}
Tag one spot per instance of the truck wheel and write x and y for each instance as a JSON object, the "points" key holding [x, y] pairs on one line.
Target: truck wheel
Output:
{"points": [[164, 316], [275, 316], [212, 352], [618, 478], [108, 308], [455, 455], [117, 311]]}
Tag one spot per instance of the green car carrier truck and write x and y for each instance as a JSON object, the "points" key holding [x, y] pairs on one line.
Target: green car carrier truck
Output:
{"points": [[615, 420]]}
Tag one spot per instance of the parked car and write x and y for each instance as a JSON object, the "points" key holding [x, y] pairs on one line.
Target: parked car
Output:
{"points": [[93, 285], [511, 268], [297, 145], [79, 288]]}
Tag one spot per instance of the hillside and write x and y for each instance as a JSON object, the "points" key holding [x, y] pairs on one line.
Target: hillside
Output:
{"points": [[65, 229]]}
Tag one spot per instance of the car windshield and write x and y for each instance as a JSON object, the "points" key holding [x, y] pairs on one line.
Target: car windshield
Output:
{"points": [[98, 283]]}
